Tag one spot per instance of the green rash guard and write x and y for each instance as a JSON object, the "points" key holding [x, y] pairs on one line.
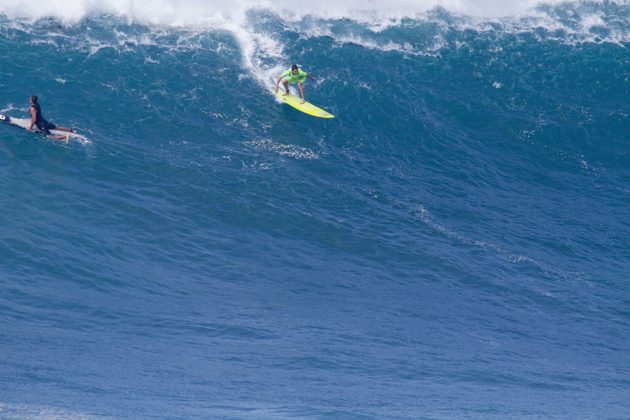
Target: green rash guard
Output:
{"points": [[295, 78]]}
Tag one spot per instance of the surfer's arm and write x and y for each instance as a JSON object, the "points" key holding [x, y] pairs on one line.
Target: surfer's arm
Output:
{"points": [[310, 77], [33, 120]]}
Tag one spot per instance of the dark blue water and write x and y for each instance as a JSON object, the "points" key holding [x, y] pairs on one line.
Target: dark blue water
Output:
{"points": [[455, 244]]}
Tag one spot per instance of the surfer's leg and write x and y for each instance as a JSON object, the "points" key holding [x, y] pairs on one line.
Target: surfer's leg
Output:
{"points": [[301, 92], [66, 138], [51, 126], [286, 87]]}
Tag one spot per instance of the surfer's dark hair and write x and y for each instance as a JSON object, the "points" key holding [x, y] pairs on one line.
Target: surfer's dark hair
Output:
{"points": [[294, 67], [33, 99]]}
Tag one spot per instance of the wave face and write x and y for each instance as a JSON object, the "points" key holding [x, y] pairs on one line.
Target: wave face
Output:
{"points": [[454, 244]]}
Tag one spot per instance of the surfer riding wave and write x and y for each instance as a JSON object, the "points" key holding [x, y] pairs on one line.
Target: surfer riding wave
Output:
{"points": [[293, 75]]}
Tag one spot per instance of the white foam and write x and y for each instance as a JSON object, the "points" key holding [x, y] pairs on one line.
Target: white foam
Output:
{"points": [[590, 21], [288, 150], [388, 46], [214, 13], [24, 411]]}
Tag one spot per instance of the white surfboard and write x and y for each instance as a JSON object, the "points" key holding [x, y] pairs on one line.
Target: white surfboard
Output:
{"points": [[25, 123]]}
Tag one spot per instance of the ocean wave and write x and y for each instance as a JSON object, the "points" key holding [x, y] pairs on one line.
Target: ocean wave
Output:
{"points": [[259, 29], [263, 33], [472, 187]]}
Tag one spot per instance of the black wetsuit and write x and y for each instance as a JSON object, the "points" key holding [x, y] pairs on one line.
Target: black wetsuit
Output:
{"points": [[41, 123]]}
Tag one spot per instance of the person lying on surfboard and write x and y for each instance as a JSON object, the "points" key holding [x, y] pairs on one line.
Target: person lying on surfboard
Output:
{"points": [[294, 75], [37, 119]]}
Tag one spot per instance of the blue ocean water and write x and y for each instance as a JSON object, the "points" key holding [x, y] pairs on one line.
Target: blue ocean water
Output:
{"points": [[455, 244]]}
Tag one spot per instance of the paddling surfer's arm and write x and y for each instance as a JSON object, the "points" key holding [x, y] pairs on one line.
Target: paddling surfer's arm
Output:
{"points": [[33, 118]]}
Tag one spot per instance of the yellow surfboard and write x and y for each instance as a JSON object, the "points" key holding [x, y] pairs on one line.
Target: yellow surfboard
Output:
{"points": [[306, 107]]}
